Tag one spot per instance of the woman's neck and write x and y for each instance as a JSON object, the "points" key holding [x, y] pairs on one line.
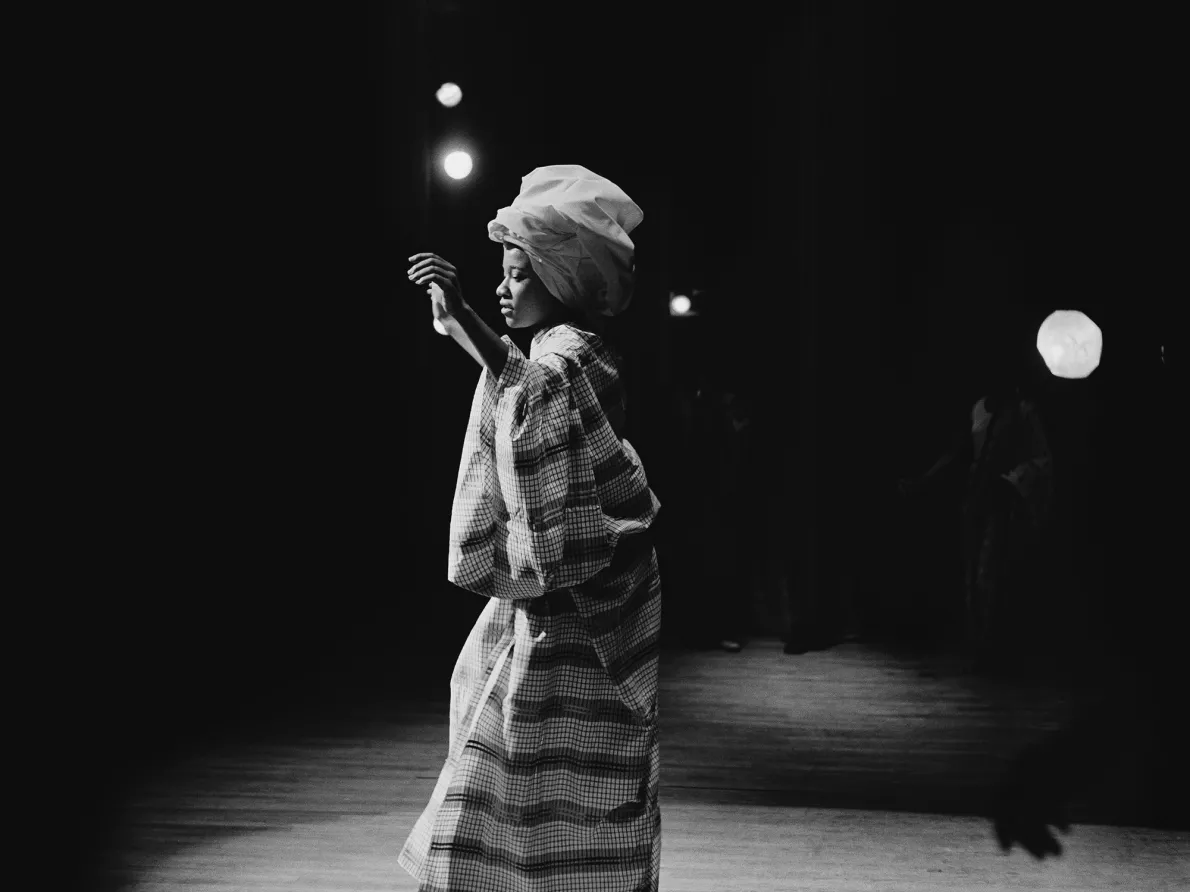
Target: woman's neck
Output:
{"points": [[561, 317]]}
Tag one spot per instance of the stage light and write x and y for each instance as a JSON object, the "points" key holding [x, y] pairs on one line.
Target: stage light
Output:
{"points": [[1070, 343], [679, 305], [449, 95], [457, 165]]}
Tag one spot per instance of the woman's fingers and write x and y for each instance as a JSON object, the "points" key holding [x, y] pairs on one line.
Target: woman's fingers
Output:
{"points": [[435, 275], [441, 288], [438, 265], [432, 268], [421, 259], [429, 261], [425, 274]]}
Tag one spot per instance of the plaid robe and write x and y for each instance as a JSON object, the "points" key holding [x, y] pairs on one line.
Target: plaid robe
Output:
{"points": [[552, 772]]}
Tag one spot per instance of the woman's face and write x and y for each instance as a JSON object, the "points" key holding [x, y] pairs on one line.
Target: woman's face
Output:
{"points": [[524, 300]]}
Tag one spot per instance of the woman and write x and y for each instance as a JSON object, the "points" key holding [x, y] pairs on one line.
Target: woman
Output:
{"points": [[551, 777]]}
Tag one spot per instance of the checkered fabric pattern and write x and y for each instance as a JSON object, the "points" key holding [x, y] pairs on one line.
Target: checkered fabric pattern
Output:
{"points": [[553, 765]]}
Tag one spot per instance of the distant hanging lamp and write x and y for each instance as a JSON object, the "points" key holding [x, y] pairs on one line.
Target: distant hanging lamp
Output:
{"points": [[1070, 343]]}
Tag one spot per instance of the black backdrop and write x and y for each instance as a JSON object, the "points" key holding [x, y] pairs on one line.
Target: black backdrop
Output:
{"points": [[881, 200]]}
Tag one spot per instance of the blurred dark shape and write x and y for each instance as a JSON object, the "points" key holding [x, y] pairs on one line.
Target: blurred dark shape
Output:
{"points": [[1121, 500], [1007, 512], [1007, 516], [723, 507], [818, 606]]}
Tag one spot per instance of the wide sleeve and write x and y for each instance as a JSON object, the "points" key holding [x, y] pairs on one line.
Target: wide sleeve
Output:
{"points": [[527, 517]]}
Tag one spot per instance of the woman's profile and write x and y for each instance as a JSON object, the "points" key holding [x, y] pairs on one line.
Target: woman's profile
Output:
{"points": [[552, 772]]}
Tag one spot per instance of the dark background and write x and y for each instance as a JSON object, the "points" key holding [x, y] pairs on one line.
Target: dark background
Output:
{"points": [[880, 201]]}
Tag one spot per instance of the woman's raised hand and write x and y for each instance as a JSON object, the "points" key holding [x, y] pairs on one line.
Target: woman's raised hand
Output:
{"points": [[431, 270]]}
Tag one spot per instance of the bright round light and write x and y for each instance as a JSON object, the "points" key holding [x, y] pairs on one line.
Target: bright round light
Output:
{"points": [[439, 328], [449, 94], [1070, 343], [458, 165], [680, 305]]}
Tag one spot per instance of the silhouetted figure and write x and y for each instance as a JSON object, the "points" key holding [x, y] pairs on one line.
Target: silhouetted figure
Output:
{"points": [[818, 596], [725, 547], [1121, 559], [1007, 508]]}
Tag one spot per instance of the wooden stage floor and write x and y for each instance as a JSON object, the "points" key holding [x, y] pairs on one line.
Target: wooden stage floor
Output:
{"points": [[849, 769]]}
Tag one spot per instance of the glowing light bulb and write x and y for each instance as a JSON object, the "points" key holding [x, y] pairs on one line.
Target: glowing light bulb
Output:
{"points": [[438, 327], [679, 305], [1070, 343], [457, 165], [449, 94]]}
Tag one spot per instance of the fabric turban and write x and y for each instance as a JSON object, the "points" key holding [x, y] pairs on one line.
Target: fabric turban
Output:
{"points": [[574, 224]]}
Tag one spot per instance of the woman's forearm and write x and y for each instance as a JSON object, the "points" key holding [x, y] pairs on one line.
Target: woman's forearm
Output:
{"points": [[459, 336], [489, 348]]}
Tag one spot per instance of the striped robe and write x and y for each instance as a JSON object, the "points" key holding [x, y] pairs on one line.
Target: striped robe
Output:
{"points": [[551, 777]]}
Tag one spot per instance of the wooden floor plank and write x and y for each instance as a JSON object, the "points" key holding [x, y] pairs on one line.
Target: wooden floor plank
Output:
{"points": [[843, 770]]}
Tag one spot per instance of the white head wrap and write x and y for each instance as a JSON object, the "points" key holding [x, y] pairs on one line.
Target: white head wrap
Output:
{"points": [[574, 224]]}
